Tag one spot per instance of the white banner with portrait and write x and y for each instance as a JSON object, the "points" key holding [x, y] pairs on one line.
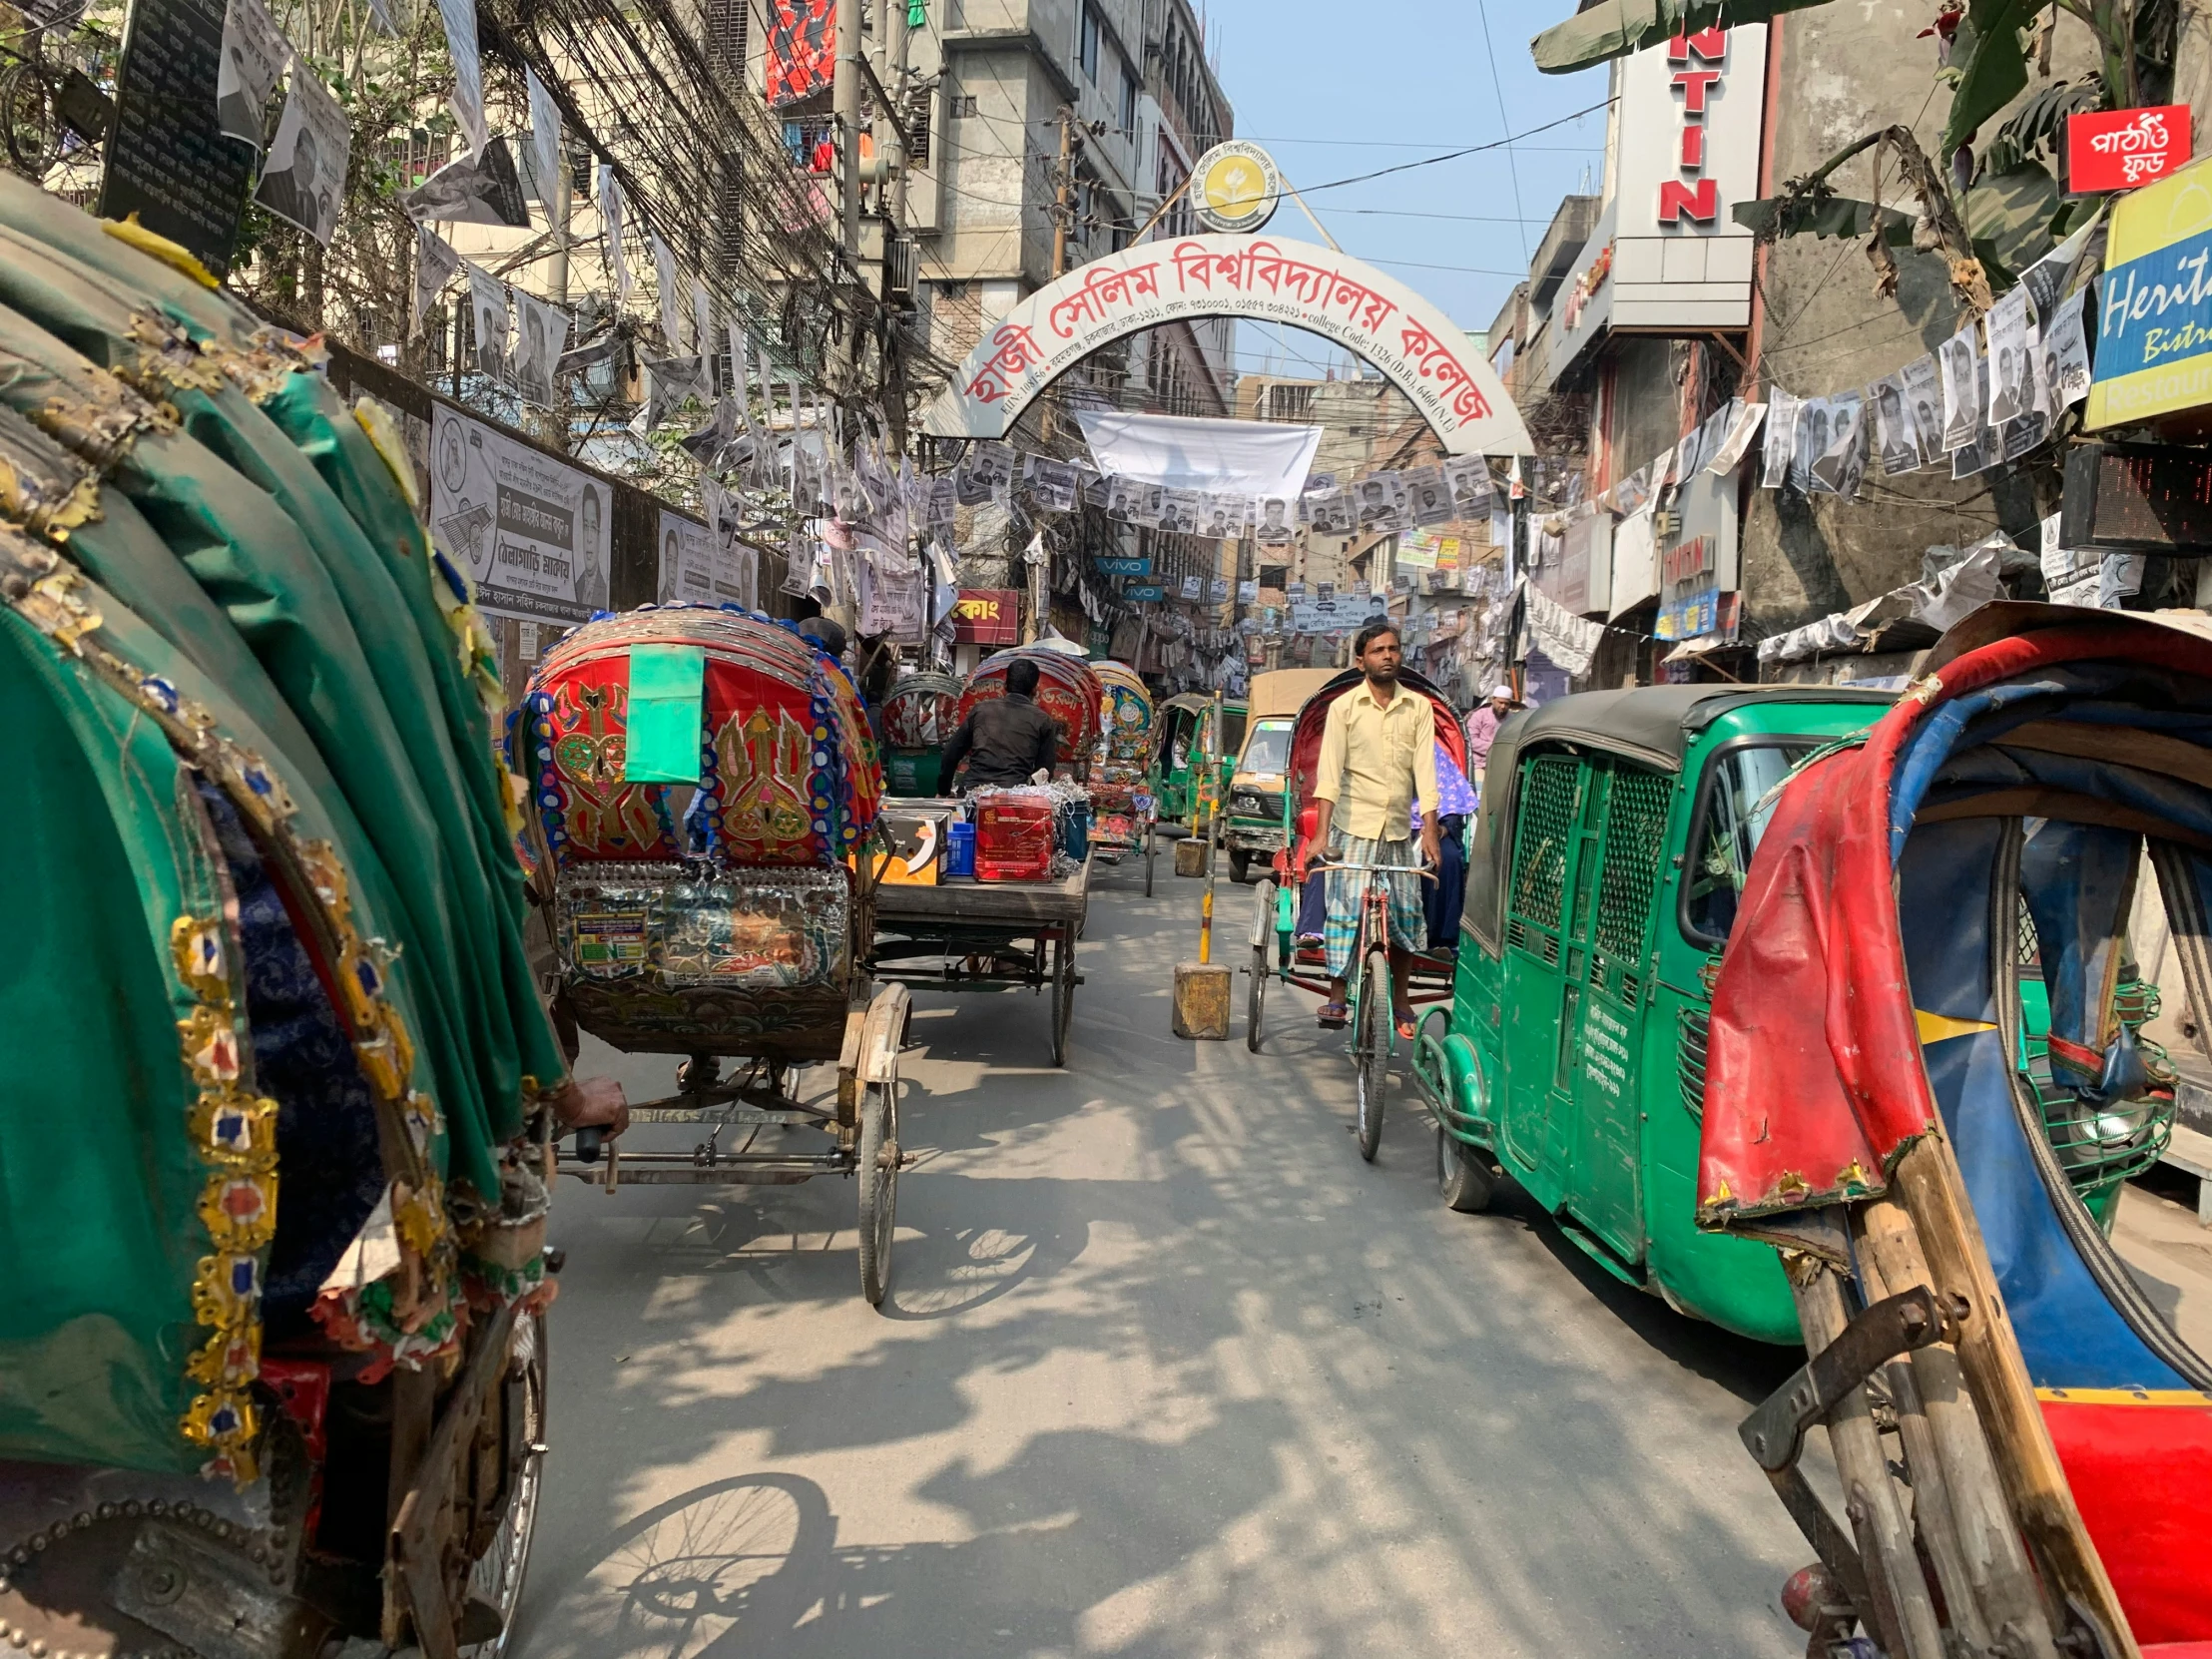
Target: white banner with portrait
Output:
{"points": [[531, 531]]}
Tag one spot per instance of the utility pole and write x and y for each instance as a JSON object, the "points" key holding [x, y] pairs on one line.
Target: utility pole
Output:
{"points": [[562, 208], [1063, 201], [898, 35], [845, 100]]}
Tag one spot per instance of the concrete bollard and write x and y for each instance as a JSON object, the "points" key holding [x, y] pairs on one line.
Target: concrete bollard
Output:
{"points": [[1190, 855], [1202, 999]]}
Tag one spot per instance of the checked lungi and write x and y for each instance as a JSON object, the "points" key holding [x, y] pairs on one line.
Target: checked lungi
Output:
{"points": [[1409, 926]]}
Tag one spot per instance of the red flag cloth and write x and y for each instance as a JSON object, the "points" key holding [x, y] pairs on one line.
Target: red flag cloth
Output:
{"points": [[1815, 1084]]}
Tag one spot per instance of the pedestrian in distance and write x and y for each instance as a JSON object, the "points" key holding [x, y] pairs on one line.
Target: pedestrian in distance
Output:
{"points": [[1377, 756], [1483, 724]]}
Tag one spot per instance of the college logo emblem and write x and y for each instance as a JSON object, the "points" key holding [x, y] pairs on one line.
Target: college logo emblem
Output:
{"points": [[1237, 187]]}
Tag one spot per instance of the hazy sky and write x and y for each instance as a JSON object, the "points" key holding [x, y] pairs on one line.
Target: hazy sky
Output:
{"points": [[1335, 90]]}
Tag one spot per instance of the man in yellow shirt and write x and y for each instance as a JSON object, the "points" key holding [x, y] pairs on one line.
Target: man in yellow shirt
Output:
{"points": [[1378, 755]]}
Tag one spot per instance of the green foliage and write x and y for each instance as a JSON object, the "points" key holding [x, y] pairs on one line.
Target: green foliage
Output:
{"points": [[1990, 59], [2040, 126], [1615, 28]]}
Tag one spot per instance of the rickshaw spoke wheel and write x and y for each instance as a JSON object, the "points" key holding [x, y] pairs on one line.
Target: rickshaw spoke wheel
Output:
{"points": [[496, 1578], [879, 1171], [1371, 1051], [1263, 934]]}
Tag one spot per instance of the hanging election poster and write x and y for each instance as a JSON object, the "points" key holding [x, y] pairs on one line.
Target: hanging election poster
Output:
{"points": [[531, 532]]}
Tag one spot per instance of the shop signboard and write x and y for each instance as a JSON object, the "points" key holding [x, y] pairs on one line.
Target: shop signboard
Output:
{"points": [[1691, 111], [2125, 148], [1689, 589], [987, 616], [2154, 304], [1144, 593], [1125, 567]]}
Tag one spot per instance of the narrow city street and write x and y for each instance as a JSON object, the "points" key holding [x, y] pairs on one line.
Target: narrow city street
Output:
{"points": [[1165, 1370]]}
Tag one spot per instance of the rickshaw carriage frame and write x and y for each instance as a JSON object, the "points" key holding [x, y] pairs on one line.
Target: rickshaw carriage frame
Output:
{"points": [[740, 934]]}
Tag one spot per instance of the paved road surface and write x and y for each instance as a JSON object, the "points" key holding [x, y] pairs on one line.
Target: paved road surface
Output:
{"points": [[1165, 1372]]}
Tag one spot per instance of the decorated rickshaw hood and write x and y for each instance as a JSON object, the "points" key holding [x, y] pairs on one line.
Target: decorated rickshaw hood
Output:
{"points": [[1814, 1085]]}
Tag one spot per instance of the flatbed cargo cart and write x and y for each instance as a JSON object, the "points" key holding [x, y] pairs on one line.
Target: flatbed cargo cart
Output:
{"points": [[985, 936]]}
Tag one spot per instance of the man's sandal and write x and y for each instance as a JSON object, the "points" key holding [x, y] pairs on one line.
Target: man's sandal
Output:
{"points": [[1333, 1016]]}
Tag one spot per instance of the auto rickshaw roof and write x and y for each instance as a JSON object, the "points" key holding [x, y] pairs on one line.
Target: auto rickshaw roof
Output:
{"points": [[1656, 724], [1651, 724], [1283, 691]]}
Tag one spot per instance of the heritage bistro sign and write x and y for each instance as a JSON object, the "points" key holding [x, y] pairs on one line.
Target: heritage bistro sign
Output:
{"points": [[1295, 283]]}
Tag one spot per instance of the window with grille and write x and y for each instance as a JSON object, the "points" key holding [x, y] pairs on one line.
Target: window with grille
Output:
{"points": [[964, 104], [1545, 822], [1635, 833]]}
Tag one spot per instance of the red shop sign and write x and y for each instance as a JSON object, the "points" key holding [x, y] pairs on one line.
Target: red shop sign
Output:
{"points": [[987, 616], [2124, 149]]}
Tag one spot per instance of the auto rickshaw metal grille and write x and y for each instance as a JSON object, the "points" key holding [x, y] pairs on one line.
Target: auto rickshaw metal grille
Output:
{"points": [[1693, 1034], [1546, 820], [1635, 829]]}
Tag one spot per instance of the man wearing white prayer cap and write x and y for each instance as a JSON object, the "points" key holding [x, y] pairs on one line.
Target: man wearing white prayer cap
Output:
{"points": [[1483, 727]]}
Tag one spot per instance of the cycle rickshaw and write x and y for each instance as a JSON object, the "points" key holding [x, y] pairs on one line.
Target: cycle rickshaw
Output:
{"points": [[731, 922], [2024, 1438], [1122, 807], [920, 714], [1281, 950], [1001, 935]]}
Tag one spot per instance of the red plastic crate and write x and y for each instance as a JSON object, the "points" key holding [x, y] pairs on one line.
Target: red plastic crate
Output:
{"points": [[1013, 840]]}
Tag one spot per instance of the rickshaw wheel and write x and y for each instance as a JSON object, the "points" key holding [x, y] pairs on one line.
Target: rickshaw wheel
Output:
{"points": [[1262, 935], [1063, 997], [1151, 845], [878, 1167], [1371, 1051], [1461, 1181], [496, 1578]]}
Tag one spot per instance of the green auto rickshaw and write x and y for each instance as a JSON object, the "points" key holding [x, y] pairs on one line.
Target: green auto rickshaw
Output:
{"points": [[1614, 836], [1256, 781], [1613, 842], [1183, 743]]}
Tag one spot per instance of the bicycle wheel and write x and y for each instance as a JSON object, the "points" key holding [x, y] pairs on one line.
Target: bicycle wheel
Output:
{"points": [[1063, 998], [1371, 1052], [1262, 935]]}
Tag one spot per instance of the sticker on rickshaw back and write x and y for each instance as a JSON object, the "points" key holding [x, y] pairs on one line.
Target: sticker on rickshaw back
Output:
{"points": [[606, 942]]}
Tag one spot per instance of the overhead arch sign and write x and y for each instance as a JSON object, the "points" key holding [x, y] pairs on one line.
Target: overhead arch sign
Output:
{"points": [[1295, 284]]}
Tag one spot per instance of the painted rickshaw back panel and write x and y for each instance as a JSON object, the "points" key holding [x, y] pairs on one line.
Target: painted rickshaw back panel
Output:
{"points": [[920, 713], [729, 927], [1862, 1035]]}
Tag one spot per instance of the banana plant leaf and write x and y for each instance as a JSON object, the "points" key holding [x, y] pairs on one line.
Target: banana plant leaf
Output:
{"points": [[1991, 65], [1615, 28], [2012, 218]]}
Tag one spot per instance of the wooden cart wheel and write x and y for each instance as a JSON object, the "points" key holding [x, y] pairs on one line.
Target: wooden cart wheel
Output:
{"points": [[1371, 1050], [496, 1579], [878, 1168], [1063, 997], [1262, 935]]}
